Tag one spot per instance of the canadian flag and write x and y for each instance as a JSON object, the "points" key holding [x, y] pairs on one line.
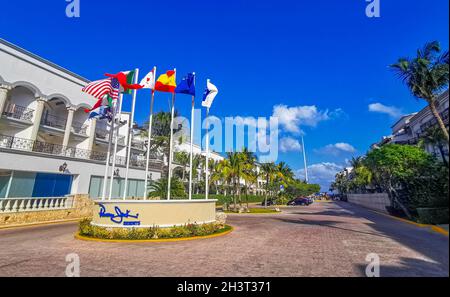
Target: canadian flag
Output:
{"points": [[148, 82]]}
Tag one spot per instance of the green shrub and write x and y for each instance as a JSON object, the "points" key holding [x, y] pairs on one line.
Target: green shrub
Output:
{"points": [[433, 216], [189, 230]]}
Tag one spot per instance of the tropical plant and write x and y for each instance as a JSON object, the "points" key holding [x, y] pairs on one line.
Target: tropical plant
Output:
{"points": [[182, 158], [395, 166], [434, 137], [269, 172], [159, 189], [426, 75]]}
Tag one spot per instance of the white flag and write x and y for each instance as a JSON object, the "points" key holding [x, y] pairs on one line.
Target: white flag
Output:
{"points": [[209, 95], [148, 82]]}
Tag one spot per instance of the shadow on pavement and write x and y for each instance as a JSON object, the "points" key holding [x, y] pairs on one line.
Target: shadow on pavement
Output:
{"points": [[410, 267]]}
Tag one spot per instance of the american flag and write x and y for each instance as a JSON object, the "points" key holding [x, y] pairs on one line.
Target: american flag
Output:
{"points": [[115, 89], [100, 88]]}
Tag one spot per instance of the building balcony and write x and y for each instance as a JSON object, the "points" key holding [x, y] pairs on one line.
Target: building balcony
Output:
{"points": [[21, 144], [18, 112], [55, 122], [138, 145], [79, 128]]}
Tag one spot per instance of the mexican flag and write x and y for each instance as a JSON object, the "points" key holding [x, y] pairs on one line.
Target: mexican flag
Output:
{"points": [[130, 80]]}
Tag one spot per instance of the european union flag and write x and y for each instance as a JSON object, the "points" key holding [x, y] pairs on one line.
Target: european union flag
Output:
{"points": [[187, 85]]}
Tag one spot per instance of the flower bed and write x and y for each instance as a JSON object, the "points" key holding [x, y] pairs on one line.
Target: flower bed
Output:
{"points": [[154, 233]]}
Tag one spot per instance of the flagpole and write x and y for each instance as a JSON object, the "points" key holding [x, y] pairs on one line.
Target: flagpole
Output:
{"points": [[207, 156], [115, 148], [130, 134], [108, 156], [150, 125], [304, 160], [192, 144], [169, 179]]}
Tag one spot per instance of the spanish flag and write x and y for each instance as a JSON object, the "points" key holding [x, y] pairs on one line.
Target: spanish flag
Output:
{"points": [[166, 82]]}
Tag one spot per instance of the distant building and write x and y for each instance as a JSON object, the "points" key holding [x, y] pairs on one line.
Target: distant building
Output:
{"points": [[410, 128]]}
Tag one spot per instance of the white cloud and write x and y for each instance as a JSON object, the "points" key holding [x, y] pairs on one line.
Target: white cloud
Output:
{"points": [[336, 149], [321, 173], [381, 108], [289, 144], [292, 118]]}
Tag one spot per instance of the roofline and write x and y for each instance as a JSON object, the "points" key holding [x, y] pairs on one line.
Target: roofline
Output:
{"points": [[402, 117], [42, 60]]}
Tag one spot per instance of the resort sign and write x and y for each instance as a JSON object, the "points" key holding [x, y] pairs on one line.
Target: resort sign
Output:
{"points": [[119, 217]]}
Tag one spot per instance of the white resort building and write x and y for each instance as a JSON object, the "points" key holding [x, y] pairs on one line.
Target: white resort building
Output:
{"points": [[48, 146], [410, 128]]}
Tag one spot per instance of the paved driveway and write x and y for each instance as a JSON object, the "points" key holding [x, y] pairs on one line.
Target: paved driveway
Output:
{"points": [[325, 239]]}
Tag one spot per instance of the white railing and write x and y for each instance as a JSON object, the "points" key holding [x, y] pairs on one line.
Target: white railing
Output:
{"points": [[10, 205]]}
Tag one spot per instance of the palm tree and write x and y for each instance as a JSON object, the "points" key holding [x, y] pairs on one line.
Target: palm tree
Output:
{"points": [[426, 76], [182, 158], [234, 168], [436, 138], [268, 170]]}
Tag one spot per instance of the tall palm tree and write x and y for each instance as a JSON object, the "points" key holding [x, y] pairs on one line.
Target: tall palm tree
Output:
{"points": [[182, 158], [268, 170], [426, 75]]}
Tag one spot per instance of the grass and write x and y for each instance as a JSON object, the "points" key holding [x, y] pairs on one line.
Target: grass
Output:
{"points": [[257, 210]]}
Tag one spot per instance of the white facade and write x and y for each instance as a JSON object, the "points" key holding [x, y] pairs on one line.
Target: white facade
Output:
{"points": [[410, 128], [43, 126]]}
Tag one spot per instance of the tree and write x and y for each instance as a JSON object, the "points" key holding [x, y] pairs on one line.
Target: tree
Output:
{"points": [[159, 189], [183, 159], [434, 136], [268, 170], [394, 166], [426, 76]]}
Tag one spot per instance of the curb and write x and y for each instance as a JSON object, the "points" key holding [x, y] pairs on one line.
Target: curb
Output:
{"points": [[39, 224], [433, 228], [84, 238]]}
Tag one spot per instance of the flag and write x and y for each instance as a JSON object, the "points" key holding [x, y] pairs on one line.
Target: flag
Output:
{"points": [[126, 80], [148, 82], [187, 85], [209, 95], [108, 98], [166, 82], [98, 88], [105, 112]]}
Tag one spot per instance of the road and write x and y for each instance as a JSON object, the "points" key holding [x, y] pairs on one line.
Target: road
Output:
{"points": [[325, 239]]}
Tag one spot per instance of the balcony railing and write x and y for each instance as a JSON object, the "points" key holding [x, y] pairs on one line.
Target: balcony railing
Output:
{"points": [[10, 205], [16, 143], [18, 112], [79, 128], [53, 121], [138, 145]]}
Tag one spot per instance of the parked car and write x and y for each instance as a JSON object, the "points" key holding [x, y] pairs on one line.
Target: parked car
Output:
{"points": [[270, 202], [304, 201]]}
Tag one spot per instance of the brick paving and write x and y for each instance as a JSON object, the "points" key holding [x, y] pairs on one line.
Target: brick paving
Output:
{"points": [[325, 239]]}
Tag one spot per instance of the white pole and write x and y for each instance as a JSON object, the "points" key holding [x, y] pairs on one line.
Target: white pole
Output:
{"points": [[169, 179], [304, 160], [150, 125], [108, 155], [130, 134], [192, 144], [115, 147], [207, 156]]}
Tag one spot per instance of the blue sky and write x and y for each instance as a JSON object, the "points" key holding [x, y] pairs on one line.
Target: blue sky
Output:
{"points": [[260, 54]]}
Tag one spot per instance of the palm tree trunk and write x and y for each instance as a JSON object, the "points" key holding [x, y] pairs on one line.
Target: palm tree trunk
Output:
{"points": [[432, 105], [441, 151], [267, 192]]}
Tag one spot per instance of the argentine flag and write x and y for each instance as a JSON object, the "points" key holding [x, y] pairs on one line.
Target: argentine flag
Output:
{"points": [[209, 95]]}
